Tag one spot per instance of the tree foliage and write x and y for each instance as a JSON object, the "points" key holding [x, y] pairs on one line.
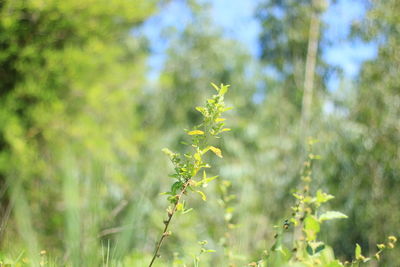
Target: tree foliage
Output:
{"points": [[82, 126]]}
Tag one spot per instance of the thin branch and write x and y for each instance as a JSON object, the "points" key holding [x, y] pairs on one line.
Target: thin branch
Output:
{"points": [[167, 222]]}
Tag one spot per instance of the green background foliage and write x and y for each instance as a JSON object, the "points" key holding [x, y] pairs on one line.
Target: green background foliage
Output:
{"points": [[82, 126]]}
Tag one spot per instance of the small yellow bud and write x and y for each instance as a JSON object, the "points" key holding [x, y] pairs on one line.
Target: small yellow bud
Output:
{"points": [[392, 239], [381, 246]]}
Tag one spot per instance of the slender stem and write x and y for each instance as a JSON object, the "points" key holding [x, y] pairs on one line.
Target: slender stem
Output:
{"points": [[179, 196], [167, 222]]}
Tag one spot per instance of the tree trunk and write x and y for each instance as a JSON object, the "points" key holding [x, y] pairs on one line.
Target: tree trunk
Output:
{"points": [[311, 59]]}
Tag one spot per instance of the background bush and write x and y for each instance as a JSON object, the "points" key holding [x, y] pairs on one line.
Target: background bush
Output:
{"points": [[82, 123]]}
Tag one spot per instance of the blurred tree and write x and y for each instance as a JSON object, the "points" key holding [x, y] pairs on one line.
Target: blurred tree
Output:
{"points": [[363, 166], [290, 39], [62, 65], [290, 50], [291, 43]]}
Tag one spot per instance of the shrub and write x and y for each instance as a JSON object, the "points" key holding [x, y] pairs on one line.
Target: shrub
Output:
{"points": [[296, 240]]}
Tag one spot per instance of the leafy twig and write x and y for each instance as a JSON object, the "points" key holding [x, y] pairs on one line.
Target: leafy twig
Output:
{"points": [[187, 166]]}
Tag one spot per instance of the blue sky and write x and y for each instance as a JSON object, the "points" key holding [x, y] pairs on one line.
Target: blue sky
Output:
{"points": [[235, 18]]}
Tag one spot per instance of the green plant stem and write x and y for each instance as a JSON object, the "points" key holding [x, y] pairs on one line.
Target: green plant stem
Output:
{"points": [[167, 222]]}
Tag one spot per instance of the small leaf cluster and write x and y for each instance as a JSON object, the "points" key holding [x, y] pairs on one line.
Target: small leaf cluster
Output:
{"points": [[306, 213], [359, 258], [188, 165], [203, 250], [306, 220]]}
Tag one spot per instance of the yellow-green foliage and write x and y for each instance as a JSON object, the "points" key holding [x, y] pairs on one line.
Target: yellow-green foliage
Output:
{"points": [[188, 165]]}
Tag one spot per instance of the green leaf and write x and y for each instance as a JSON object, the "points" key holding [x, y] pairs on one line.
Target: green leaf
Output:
{"points": [[175, 187], [179, 207], [323, 197], [215, 86], [308, 199], [216, 151], [357, 252], [209, 179], [309, 250], [201, 110], [203, 196], [197, 157], [195, 132], [298, 196], [311, 227], [206, 179], [173, 199], [331, 215], [187, 211], [224, 89], [225, 130], [319, 248], [226, 109], [168, 152], [314, 247]]}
